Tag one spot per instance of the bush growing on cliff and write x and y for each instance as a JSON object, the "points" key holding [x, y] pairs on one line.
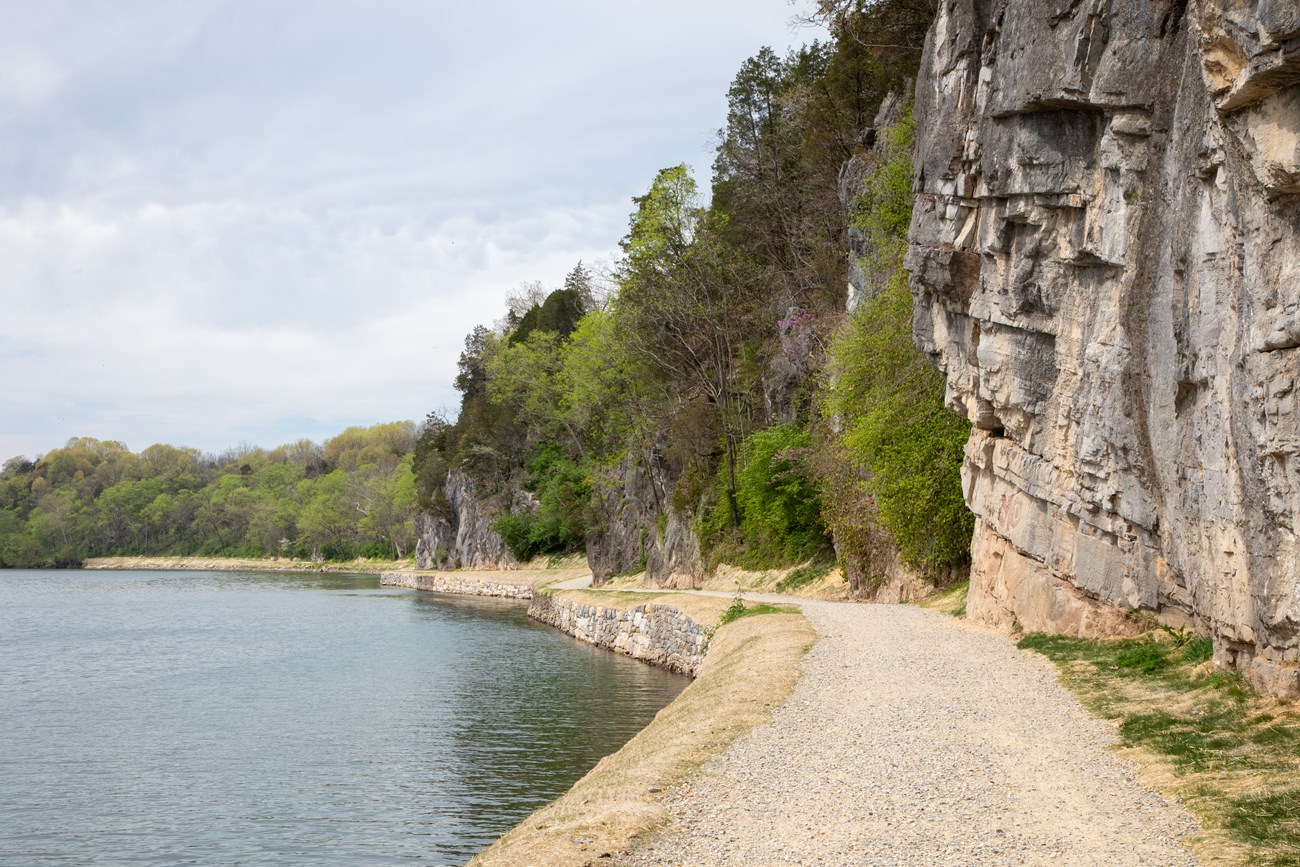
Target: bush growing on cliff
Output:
{"points": [[558, 524], [897, 436], [889, 400], [780, 512]]}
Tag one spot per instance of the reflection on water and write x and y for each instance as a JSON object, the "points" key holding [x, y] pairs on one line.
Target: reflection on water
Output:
{"points": [[279, 718]]}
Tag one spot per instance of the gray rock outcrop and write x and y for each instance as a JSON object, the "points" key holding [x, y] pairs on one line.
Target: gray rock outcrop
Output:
{"points": [[460, 536], [634, 526], [1105, 259]]}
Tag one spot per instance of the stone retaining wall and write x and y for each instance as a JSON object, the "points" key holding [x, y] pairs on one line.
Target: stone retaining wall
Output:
{"points": [[451, 583], [658, 634]]}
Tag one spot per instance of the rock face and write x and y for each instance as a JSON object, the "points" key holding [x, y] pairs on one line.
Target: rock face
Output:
{"points": [[1105, 260], [636, 527], [462, 537]]}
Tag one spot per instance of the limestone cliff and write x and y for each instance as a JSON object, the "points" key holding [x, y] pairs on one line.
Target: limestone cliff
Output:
{"points": [[1106, 264], [634, 526], [460, 535]]}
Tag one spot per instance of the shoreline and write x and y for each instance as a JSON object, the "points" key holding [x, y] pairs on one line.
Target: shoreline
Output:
{"points": [[740, 674], [238, 564]]}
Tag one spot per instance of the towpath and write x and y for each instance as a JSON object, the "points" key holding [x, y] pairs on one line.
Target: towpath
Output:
{"points": [[914, 739]]}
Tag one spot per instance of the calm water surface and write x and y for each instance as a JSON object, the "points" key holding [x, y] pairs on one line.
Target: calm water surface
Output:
{"points": [[231, 718]]}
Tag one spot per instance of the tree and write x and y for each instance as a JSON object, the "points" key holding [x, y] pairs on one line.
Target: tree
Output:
{"points": [[579, 281], [689, 305]]}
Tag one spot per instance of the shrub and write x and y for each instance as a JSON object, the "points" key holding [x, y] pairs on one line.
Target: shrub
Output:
{"points": [[1147, 658], [887, 399], [778, 505]]}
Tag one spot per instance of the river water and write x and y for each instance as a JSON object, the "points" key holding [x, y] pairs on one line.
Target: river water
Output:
{"points": [[259, 718]]}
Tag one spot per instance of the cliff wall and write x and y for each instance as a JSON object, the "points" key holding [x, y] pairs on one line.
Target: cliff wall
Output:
{"points": [[1105, 259], [461, 536], [635, 527]]}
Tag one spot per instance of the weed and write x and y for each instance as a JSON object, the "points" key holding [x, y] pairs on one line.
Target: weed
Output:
{"points": [[739, 609], [1146, 658], [734, 612]]}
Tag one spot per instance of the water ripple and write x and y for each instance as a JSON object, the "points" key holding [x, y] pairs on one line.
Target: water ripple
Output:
{"points": [[246, 718]]}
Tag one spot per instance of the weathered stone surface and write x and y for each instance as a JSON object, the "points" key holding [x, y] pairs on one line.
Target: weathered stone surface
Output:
{"points": [[1105, 258], [636, 528], [658, 634], [461, 584], [463, 538]]}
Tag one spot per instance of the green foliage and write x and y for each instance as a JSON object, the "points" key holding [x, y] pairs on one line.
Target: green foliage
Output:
{"points": [[739, 609], [890, 401], [780, 515], [883, 208], [353, 496], [517, 530], [558, 525], [1146, 658], [735, 611], [558, 315], [612, 393], [1198, 650], [896, 427]]}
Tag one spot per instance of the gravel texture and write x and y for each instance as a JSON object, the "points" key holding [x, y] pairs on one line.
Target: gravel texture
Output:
{"points": [[914, 739]]}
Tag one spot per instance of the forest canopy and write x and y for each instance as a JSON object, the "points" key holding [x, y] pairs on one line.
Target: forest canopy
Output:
{"points": [[352, 496]]}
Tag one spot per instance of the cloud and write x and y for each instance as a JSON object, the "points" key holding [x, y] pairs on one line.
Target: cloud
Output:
{"points": [[225, 221]]}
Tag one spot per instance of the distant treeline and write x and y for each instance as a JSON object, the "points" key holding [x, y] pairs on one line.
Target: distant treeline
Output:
{"points": [[718, 360], [352, 496]]}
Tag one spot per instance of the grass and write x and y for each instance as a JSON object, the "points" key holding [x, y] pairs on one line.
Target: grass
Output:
{"points": [[1231, 755], [949, 600], [739, 609], [803, 576]]}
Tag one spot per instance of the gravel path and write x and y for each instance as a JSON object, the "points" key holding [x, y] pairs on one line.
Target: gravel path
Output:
{"points": [[912, 739]]}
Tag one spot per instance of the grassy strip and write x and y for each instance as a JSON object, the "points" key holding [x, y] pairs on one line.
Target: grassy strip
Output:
{"points": [[1231, 755], [950, 600], [751, 667], [739, 609]]}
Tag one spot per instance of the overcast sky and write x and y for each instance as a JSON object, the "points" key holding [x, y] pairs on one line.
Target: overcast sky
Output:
{"points": [[228, 221]]}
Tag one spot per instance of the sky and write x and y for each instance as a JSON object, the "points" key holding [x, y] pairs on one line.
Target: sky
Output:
{"points": [[228, 222]]}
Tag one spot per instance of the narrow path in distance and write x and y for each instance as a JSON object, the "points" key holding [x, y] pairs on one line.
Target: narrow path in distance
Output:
{"points": [[914, 739]]}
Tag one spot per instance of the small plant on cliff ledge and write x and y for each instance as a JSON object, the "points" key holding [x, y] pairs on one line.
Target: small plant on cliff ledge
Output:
{"points": [[1233, 756]]}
